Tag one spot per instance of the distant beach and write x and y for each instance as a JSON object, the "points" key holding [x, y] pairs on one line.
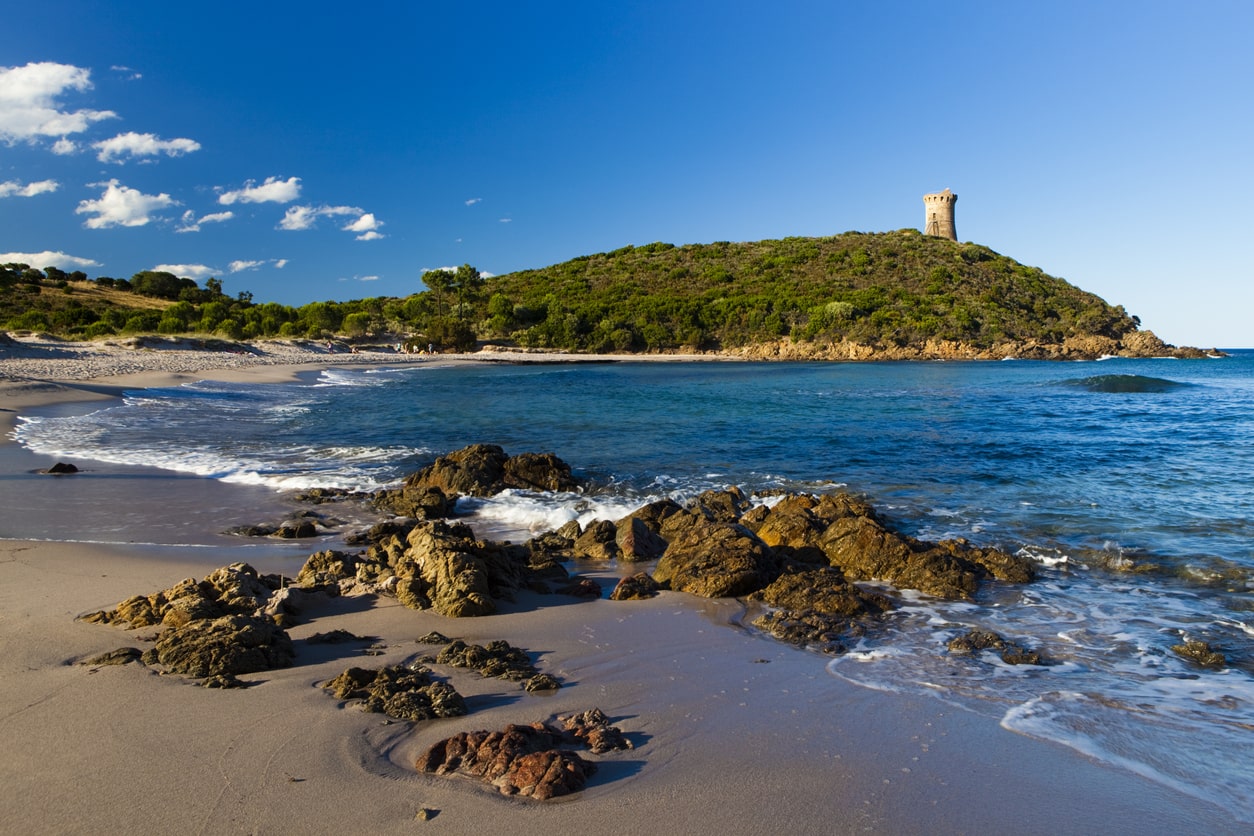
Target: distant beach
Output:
{"points": [[733, 732]]}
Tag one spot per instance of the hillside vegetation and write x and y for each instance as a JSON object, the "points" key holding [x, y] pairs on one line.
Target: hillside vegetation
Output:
{"points": [[894, 288], [881, 290]]}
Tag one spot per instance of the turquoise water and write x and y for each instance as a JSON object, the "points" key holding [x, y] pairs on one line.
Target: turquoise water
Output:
{"points": [[1128, 481]]}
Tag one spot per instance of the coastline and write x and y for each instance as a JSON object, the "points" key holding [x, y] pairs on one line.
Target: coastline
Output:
{"points": [[734, 732]]}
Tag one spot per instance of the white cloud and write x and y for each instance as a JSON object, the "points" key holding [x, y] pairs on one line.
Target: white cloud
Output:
{"points": [[122, 206], [280, 263], [473, 201], [305, 217], [64, 146], [507, 220], [273, 190], [133, 145], [12, 188], [190, 223], [186, 271], [29, 109], [367, 278], [48, 259], [367, 225], [131, 75], [237, 266]]}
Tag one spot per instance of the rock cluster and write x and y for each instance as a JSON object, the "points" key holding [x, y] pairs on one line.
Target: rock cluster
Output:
{"points": [[499, 660], [217, 627], [404, 693], [536, 760]]}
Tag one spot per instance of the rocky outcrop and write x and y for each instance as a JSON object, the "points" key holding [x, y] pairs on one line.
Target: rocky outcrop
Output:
{"points": [[404, 693], [535, 760], [845, 532], [226, 646], [485, 469], [236, 589], [1079, 347], [715, 559]]}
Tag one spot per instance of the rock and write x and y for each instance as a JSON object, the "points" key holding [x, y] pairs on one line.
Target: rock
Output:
{"points": [[823, 632], [1200, 653], [61, 469], [446, 568], [232, 644], [655, 514], [400, 692], [823, 591], [419, 502], [570, 530], [327, 568], [974, 641], [485, 469], [636, 541], [296, 529], [792, 527], [594, 729], [498, 659], [520, 760], [581, 588], [293, 601], [721, 506], [234, 589], [338, 637], [599, 541], [434, 637], [541, 682], [224, 681], [639, 585], [121, 656], [538, 472], [716, 560], [531, 760]]}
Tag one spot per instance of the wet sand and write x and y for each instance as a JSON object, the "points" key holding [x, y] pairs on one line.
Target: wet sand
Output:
{"points": [[734, 733]]}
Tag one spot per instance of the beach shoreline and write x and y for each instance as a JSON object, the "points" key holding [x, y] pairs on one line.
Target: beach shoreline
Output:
{"points": [[734, 733]]}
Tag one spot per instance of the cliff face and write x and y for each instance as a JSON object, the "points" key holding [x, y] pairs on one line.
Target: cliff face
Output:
{"points": [[1143, 344]]}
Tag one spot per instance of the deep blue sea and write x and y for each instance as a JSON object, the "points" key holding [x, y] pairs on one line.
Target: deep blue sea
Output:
{"points": [[1130, 482]]}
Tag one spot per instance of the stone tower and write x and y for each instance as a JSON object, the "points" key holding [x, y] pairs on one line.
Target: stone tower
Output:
{"points": [[939, 214]]}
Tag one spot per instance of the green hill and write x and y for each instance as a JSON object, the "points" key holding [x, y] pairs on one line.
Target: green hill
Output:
{"points": [[851, 296], [882, 289]]}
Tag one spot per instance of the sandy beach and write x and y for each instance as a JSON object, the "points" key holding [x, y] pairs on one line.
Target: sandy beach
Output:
{"points": [[732, 732]]}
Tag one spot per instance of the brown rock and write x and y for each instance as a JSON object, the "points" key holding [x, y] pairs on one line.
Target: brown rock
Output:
{"points": [[233, 644], [636, 541], [404, 693], [716, 560], [639, 585], [598, 541]]}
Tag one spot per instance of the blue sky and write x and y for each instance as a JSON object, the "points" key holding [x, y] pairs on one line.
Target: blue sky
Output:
{"points": [[306, 151]]}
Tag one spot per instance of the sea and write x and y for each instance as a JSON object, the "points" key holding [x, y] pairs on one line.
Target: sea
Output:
{"points": [[1130, 483]]}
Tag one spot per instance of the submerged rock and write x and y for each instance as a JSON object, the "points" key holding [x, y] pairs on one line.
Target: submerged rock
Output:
{"points": [[1200, 653], [974, 641]]}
